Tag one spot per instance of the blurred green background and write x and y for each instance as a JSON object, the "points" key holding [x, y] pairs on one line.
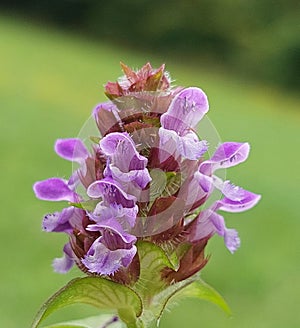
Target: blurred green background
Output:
{"points": [[55, 57]]}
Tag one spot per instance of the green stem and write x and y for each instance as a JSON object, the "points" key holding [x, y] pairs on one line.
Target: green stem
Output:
{"points": [[146, 320]]}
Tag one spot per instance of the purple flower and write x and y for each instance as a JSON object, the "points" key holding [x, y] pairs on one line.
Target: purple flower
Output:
{"points": [[125, 163], [65, 221], [107, 117], [185, 111], [111, 192], [100, 259], [235, 198], [113, 235], [54, 189], [126, 216], [74, 150], [208, 223], [68, 220], [114, 249], [227, 155]]}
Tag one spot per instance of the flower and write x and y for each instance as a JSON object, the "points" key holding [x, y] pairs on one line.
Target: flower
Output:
{"points": [[115, 248], [185, 111], [124, 163], [148, 177]]}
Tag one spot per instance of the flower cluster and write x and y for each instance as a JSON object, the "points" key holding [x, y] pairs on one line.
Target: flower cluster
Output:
{"points": [[145, 177]]}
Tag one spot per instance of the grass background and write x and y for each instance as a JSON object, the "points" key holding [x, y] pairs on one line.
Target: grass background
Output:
{"points": [[49, 83]]}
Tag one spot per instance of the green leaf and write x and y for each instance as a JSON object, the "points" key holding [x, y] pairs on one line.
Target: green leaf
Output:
{"points": [[91, 322], [99, 292], [200, 290], [191, 287], [160, 300], [152, 260]]}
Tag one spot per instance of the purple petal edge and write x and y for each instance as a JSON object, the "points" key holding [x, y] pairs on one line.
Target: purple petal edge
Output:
{"points": [[64, 263], [250, 200], [187, 109], [111, 193], [227, 155], [101, 260], [54, 189], [71, 149]]}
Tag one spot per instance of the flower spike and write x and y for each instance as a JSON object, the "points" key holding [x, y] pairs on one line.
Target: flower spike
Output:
{"points": [[142, 202]]}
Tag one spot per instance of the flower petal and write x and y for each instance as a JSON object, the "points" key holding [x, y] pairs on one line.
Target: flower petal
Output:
{"points": [[140, 177], [54, 189], [111, 193], [65, 263], [248, 201], [227, 155], [233, 192], [71, 149], [57, 222], [121, 149], [64, 221], [186, 110], [168, 140], [187, 145], [208, 223], [205, 181], [232, 240], [113, 235], [102, 260], [126, 216], [190, 147], [107, 117], [202, 227]]}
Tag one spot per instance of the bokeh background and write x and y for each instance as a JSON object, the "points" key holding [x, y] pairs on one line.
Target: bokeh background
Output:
{"points": [[55, 57]]}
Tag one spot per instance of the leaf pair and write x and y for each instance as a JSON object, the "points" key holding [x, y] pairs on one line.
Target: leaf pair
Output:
{"points": [[137, 305]]}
